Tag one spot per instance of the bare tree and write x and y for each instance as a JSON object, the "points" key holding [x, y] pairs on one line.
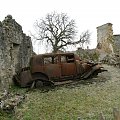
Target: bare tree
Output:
{"points": [[57, 31], [84, 39]]}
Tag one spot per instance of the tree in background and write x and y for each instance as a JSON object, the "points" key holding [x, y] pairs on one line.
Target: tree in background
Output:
{"points": [[84, 39], [57, 31]]}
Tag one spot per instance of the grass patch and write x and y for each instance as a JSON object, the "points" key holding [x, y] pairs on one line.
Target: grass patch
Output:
{"points": [[69, 102]]}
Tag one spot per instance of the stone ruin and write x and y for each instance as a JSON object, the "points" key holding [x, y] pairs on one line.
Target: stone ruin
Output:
{"points": [[15, 50], [108, 45], [106, 41], [105, 38], [107, 49]]}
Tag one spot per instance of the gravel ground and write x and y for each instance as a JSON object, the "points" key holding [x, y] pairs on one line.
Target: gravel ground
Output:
{"points": [[112, 76]]}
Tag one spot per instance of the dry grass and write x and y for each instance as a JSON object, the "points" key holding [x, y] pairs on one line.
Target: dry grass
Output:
{"points": [[69, 102]]}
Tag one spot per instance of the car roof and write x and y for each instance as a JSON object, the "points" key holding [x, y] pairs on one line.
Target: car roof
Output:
{"points": [[52, 54]]}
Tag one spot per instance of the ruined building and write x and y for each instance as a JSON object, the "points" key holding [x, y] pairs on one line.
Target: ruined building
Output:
{"points": [[116, 46], [15, 50], [108, 42], [105, 37], [107, 45]]}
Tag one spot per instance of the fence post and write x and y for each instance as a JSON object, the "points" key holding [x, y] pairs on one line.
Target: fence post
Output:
{"points": [[102, 116], [116, 114]]}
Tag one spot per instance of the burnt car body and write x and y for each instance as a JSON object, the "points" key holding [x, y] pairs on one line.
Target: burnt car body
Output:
{"points": [[52, 68]]}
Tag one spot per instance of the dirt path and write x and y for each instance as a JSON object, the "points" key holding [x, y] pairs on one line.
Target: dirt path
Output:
{"points": [[110, 81], [113, 74]]}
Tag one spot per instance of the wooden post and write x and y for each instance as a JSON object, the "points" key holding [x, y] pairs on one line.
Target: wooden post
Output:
{"points": [[116, 114]]}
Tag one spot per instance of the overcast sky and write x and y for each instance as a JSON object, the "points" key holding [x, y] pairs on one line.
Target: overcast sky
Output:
{"points": [[88, 14]]}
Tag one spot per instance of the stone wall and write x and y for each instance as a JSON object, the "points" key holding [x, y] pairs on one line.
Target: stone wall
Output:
{"points": [[105, 38], [108, 45], [88, 54], [106, 41], [116, 44], [15, 50]]}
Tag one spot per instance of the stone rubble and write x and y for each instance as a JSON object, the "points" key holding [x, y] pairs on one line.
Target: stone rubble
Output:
{"points": [[9, 101]]}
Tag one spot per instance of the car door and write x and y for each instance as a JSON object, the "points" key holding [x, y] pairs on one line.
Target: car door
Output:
{"points": [[68, 66], [51, 66]]}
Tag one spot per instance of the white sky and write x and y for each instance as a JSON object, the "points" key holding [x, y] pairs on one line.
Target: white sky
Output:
{"points": [[88, 14]]}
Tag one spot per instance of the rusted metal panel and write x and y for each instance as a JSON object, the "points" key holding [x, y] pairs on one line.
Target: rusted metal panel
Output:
{"points": [[68, 69], [53, 70], [25, 78], [36, 64], [90, 71], [62, 66]]}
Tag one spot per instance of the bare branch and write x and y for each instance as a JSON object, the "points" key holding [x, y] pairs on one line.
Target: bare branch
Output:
{"points": [[58, 30]]}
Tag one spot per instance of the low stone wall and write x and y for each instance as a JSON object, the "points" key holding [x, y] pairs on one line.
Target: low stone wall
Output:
{"points": [[88, 54]]}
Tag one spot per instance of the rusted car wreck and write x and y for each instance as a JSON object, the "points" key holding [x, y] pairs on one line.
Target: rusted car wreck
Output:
{"points": [[51, 69]]}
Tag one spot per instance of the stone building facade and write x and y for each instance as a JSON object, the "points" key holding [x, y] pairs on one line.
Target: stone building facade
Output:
{"points": [[108, 45], [108, 42], [116, 39], [15, 50], [105, 38]]}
